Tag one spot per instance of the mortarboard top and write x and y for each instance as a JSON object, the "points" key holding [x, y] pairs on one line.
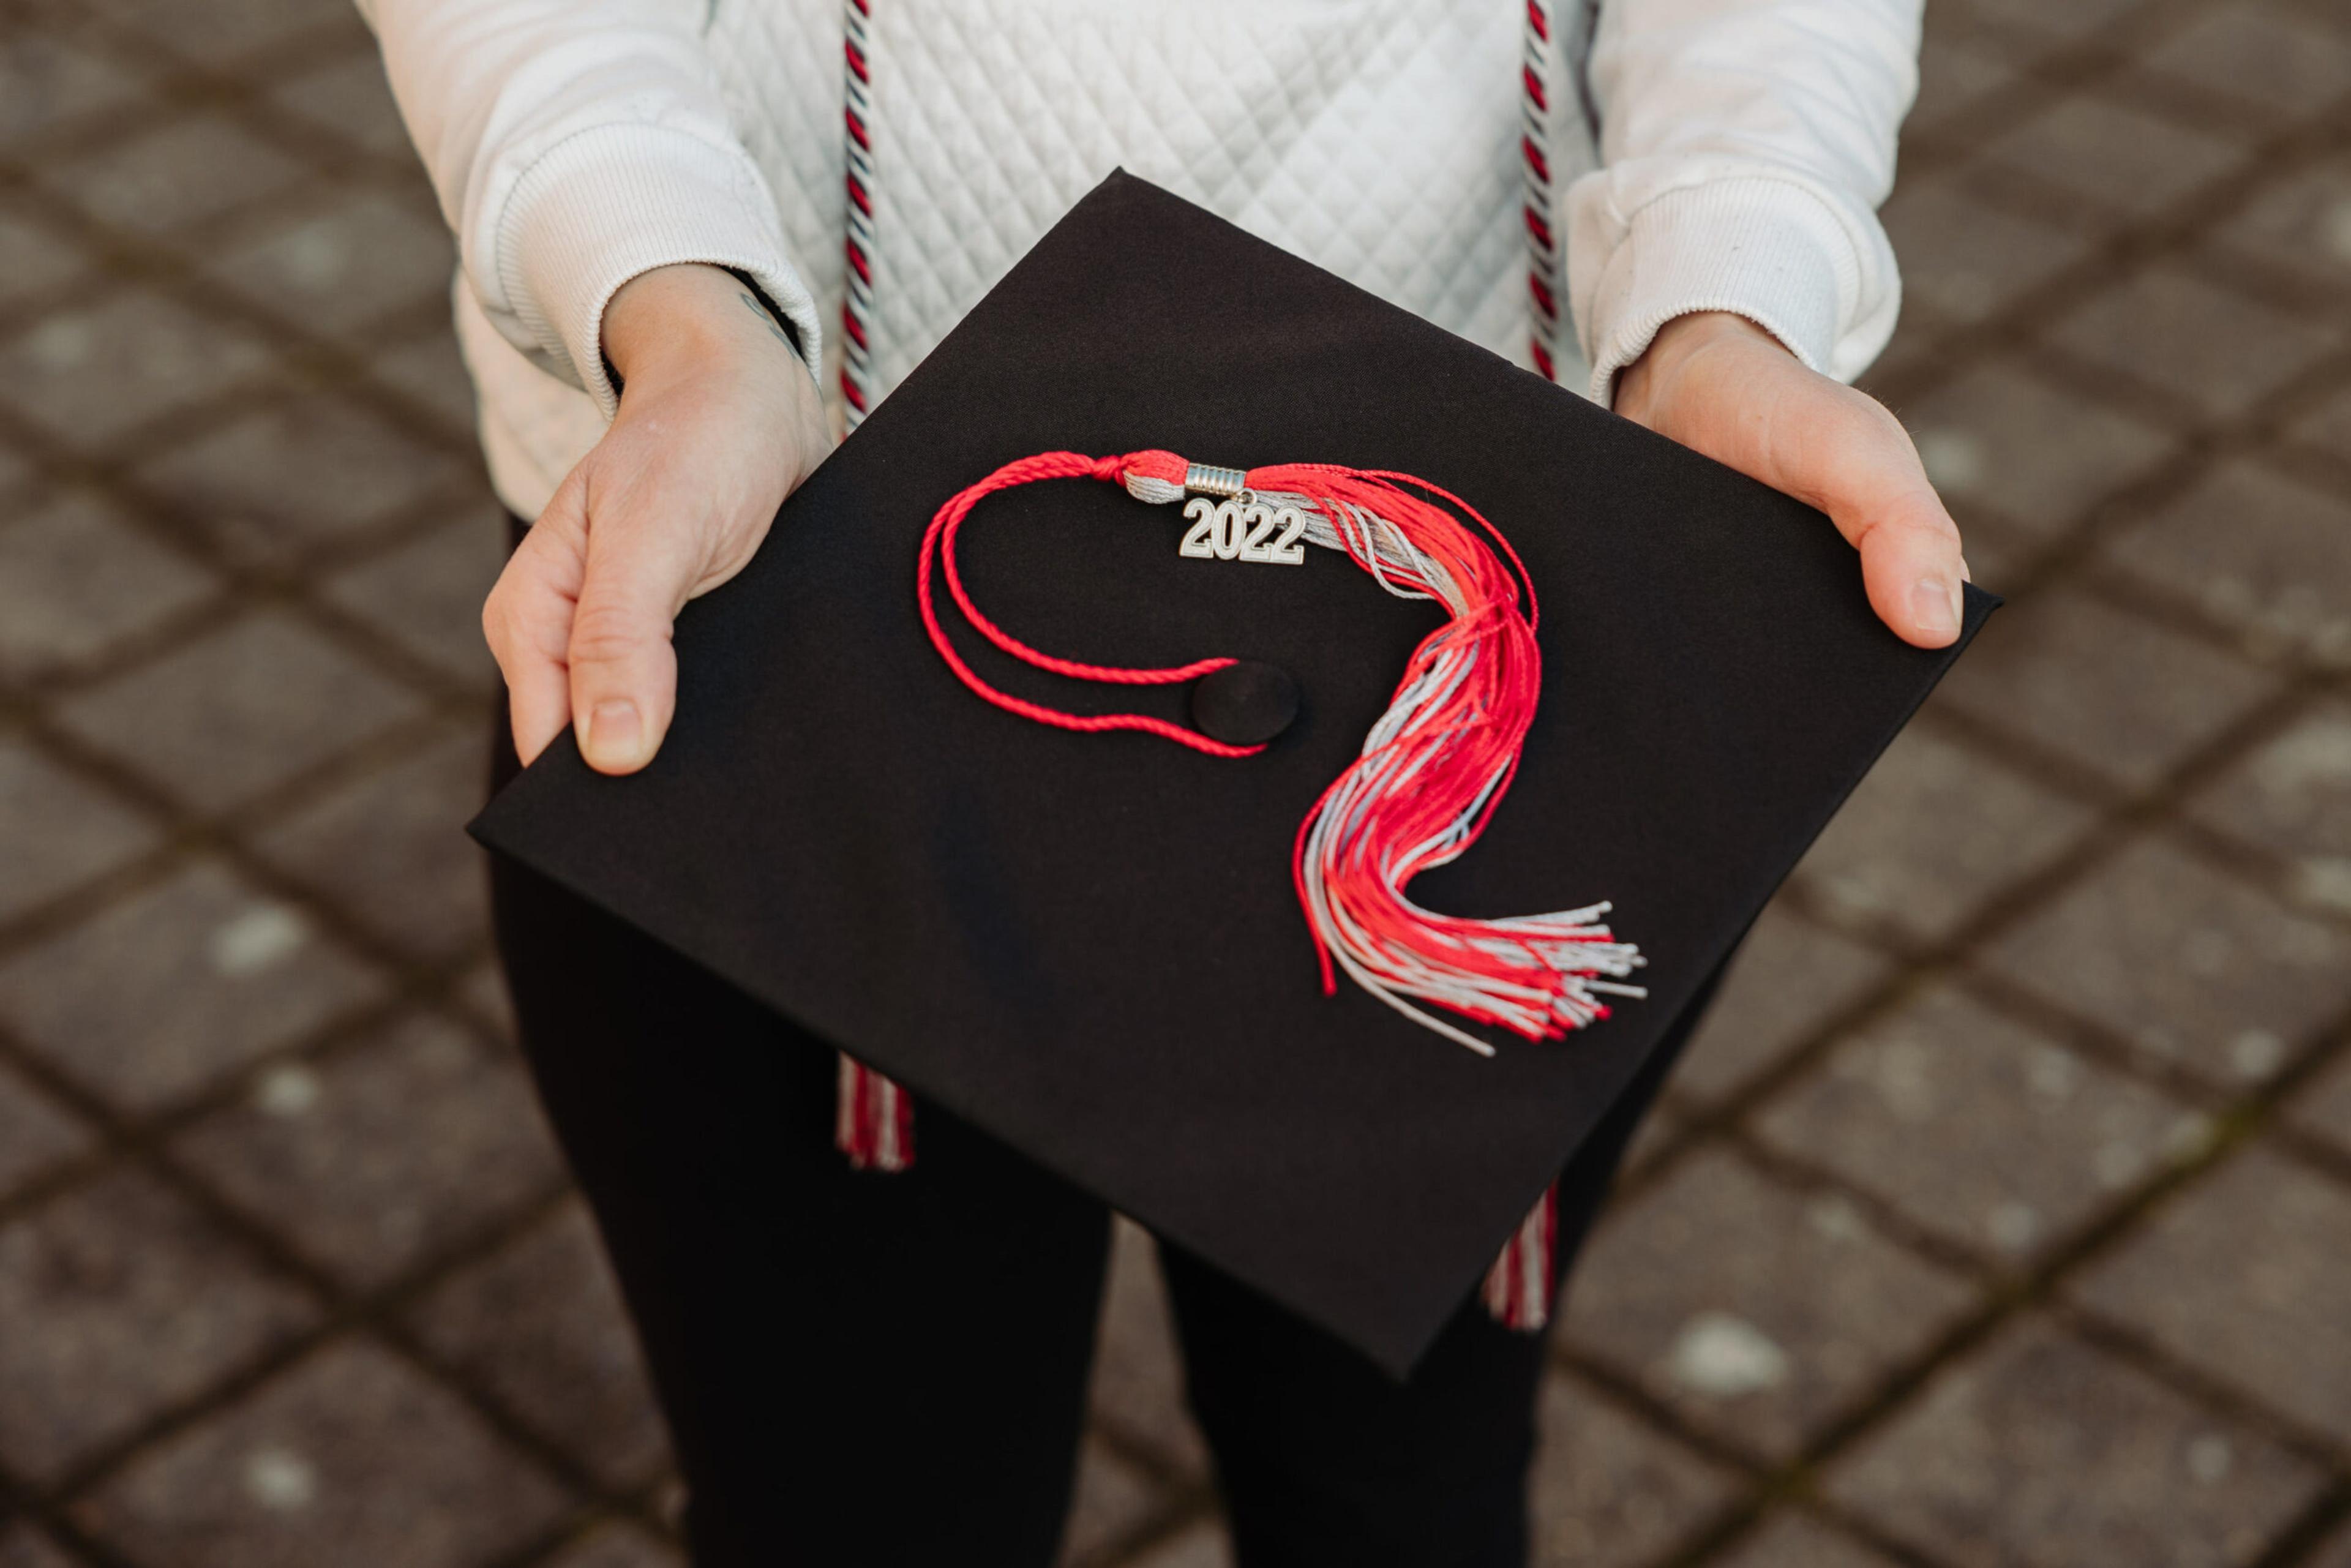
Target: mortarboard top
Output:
{"points": [[1089, 944]]}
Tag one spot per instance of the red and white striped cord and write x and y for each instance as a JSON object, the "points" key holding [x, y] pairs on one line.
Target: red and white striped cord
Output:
{"points": [[857, 393], [1546, 262], [1517, 1292], [872, 1118]]}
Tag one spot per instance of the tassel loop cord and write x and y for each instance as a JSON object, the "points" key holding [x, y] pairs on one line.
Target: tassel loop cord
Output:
{"points": [[939, 542]]}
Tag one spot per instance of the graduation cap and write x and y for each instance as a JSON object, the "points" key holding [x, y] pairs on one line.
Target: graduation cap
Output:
{"points": [[1105, 937]]}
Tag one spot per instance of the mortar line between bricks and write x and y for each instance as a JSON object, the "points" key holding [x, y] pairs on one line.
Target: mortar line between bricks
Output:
{"points": [[21, 1503], [2152, 817], [1750, 1493], [371, 1315], [1767, 1500], [2043, 71], [429, 989], [2098, 578], [191, 833], [148, 262], [2132, 247], [583, 1523], [2010, 1296], [414, 988], [2121, 820], [2181, 9], [1174, 1514], [235, 590], [1947, 151], [341, 361], [1110, 1429], [291, 53], [2003, 1300], [1916, 968], [2165, 809], [2232, 265], [152, 103], [140, 1141], [1856, 1524], [2300, 1544], [2019, 329], [299, 591], [2206, 1390], [1794, 1478]]}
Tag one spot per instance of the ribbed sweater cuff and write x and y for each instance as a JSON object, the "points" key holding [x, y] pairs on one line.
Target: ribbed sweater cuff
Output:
{"points": [[1762, 248], [605, 205]]}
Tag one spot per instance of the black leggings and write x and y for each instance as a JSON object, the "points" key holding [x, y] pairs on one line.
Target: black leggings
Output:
{"points": [[870, 1370]]}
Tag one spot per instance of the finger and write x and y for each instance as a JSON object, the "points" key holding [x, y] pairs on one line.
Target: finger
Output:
{"points": [[623, 672], [527, 621], [1852, 458]]}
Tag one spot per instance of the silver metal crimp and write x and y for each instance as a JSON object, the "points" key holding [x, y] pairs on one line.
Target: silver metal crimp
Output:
{"points": [[1207, 479]]}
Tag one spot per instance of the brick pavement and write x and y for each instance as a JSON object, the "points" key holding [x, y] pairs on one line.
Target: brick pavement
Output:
{"points": [[2003, 1216]]}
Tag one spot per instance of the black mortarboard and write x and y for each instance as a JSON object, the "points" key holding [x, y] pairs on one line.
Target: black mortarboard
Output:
{"points": [[1089, 944]]}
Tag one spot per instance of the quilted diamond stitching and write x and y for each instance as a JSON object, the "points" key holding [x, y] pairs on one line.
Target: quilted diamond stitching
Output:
{"points": [[1304, 120]]}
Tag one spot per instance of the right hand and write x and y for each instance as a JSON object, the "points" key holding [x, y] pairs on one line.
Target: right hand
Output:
{"points": [[720, 421]]}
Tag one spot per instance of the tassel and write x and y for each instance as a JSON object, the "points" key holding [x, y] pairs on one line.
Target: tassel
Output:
{"points": [[1431, 774], [1433, 770]]}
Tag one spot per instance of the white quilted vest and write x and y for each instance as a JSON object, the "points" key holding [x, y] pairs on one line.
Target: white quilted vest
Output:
{"points": [[1380, 138], [1416, 148]]}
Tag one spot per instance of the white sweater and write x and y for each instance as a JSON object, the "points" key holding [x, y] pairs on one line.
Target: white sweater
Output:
{"points": [[1702, 154]]}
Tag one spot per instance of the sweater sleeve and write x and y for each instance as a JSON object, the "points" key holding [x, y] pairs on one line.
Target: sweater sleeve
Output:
{"points": [[575, 144], [1744, 148]]}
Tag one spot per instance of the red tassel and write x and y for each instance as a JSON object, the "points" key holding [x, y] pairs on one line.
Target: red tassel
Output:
{"points": [[1433, 770], [1432, 773]]}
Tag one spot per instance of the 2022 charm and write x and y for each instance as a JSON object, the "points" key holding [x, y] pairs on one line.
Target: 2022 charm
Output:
{"points": [[1243, 527]]}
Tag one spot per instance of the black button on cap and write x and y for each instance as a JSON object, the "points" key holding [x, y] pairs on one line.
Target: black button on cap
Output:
{"points": [[1247, 704]]}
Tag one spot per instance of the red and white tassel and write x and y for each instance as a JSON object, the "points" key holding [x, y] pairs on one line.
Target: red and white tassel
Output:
{"points": [[1431, 774], [1433, 770]]}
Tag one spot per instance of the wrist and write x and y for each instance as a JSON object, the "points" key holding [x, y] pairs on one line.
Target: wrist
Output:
{"points": [[688, 318], [1642, 385]]}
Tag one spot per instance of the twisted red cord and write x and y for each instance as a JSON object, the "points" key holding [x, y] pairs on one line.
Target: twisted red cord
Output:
{"points": [[939, 541]]}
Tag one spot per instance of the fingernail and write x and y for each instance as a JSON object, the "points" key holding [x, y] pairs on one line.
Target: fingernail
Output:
{"points": [[1935, 605], [615, 734]]}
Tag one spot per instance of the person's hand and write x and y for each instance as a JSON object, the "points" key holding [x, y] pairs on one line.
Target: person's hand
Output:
{"points": [[1721, 384], [718, 421]]}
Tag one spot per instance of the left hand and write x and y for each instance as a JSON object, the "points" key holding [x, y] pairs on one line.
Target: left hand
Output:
{"points": [[1722, 385]]}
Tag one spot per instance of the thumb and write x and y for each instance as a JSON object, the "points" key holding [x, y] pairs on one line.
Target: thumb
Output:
{"points": [[1910, 564], [1860, 467], [623, 670], [1721, 384]]}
